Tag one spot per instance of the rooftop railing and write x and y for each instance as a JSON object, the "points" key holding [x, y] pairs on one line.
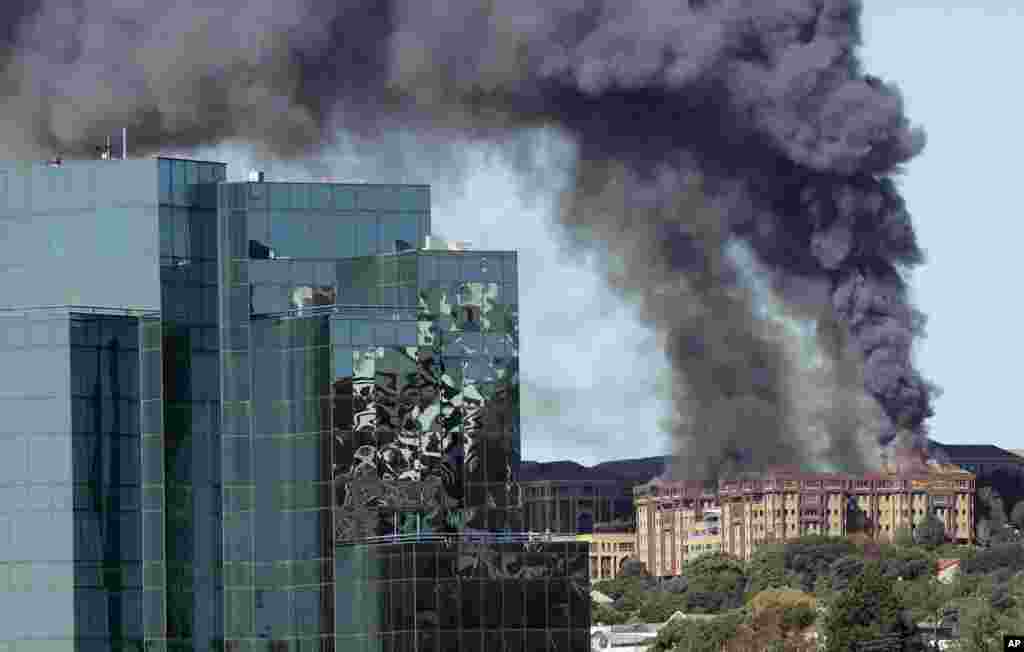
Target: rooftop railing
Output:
{"points": [[91, 310], [383, 313], [452, 538]]}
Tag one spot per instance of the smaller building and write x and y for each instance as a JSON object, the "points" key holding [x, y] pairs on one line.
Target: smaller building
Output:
{"points": [[947, 570], [569, 497], [608, 552]]}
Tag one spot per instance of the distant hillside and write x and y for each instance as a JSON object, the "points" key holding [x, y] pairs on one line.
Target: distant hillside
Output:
{"points": [[641, 469], [631, 471]]}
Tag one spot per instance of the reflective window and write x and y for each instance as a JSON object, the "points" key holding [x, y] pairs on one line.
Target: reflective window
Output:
{"points": [[344, 198], [372, 197], [447, 268], [300, 195], [280, 196], [164, 171], [366, 234], [414, 198], [321, 197], [362, 333]]}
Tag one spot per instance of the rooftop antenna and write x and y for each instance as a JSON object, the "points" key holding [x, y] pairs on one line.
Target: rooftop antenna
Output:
{"points": [[124, 143]]}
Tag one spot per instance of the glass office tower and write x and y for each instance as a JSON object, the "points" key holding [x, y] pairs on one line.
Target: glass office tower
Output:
{"points": [[81, 498], [313, 386]]}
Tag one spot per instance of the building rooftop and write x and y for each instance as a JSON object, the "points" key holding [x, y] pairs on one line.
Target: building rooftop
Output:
{"points": [[970, 452]]}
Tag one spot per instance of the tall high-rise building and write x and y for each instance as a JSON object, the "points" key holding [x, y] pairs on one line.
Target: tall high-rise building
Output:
{"points": [[261, 416]]}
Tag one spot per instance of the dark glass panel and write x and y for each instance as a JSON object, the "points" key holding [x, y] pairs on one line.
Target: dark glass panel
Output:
{"points": [[579, 640], [448, 604], [472, 609], [559, 640], [426, 604], [512, 603], [536, 601], [426, 641], [491, 599], [513, 642], [579, 554], [449, 642], [472, 639], [579, 606], [446, 563], [426, 563], [386, 610], [558, 606], [537, 640]]}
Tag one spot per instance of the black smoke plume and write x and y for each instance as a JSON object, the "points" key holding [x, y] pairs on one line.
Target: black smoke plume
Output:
{"points": [[734, 164]]}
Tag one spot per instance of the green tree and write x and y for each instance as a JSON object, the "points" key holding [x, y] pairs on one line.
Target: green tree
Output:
{"points": [[930, 532], [715, 583], [923, 597], [869, 609], [697, 635], [979, 627], [983, 531], [809, 557], [904, 536], [659, 607], [843, 570], [1017, 515], [767, 569], [628, 602], [1007, 555], [908, 562], [606, 615]]}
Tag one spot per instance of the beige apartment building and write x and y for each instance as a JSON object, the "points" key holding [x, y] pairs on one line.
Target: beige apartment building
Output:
{"points": [[668, 513], [608, 552], [783, 505]]}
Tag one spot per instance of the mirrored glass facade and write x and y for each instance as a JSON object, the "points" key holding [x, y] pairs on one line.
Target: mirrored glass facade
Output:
{"points": [[282, 376], [191, 315], [445, 596], [81, 528]]}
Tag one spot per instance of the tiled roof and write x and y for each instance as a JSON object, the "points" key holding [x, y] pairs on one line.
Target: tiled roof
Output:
{"points": [[946, 564]]}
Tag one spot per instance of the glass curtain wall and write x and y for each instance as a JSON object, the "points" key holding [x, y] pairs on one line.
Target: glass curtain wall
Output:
{"points": [[426, 419], [106, 445], [429, 596], [287, 565], [37, 490], [191, 402], [74, 522]]}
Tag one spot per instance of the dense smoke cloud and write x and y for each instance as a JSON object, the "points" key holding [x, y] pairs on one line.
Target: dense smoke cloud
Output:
{"points": [[699, 126]]}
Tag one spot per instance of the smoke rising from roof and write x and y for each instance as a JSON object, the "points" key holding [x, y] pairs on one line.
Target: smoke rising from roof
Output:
{"points": [[697, 125]]}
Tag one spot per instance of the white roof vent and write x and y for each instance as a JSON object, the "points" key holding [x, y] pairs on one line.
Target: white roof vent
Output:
{"points": [[435, 243]]}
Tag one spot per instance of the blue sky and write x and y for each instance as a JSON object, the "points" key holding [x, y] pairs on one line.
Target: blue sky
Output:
{"points": [[594, 379], [959, 72]]}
